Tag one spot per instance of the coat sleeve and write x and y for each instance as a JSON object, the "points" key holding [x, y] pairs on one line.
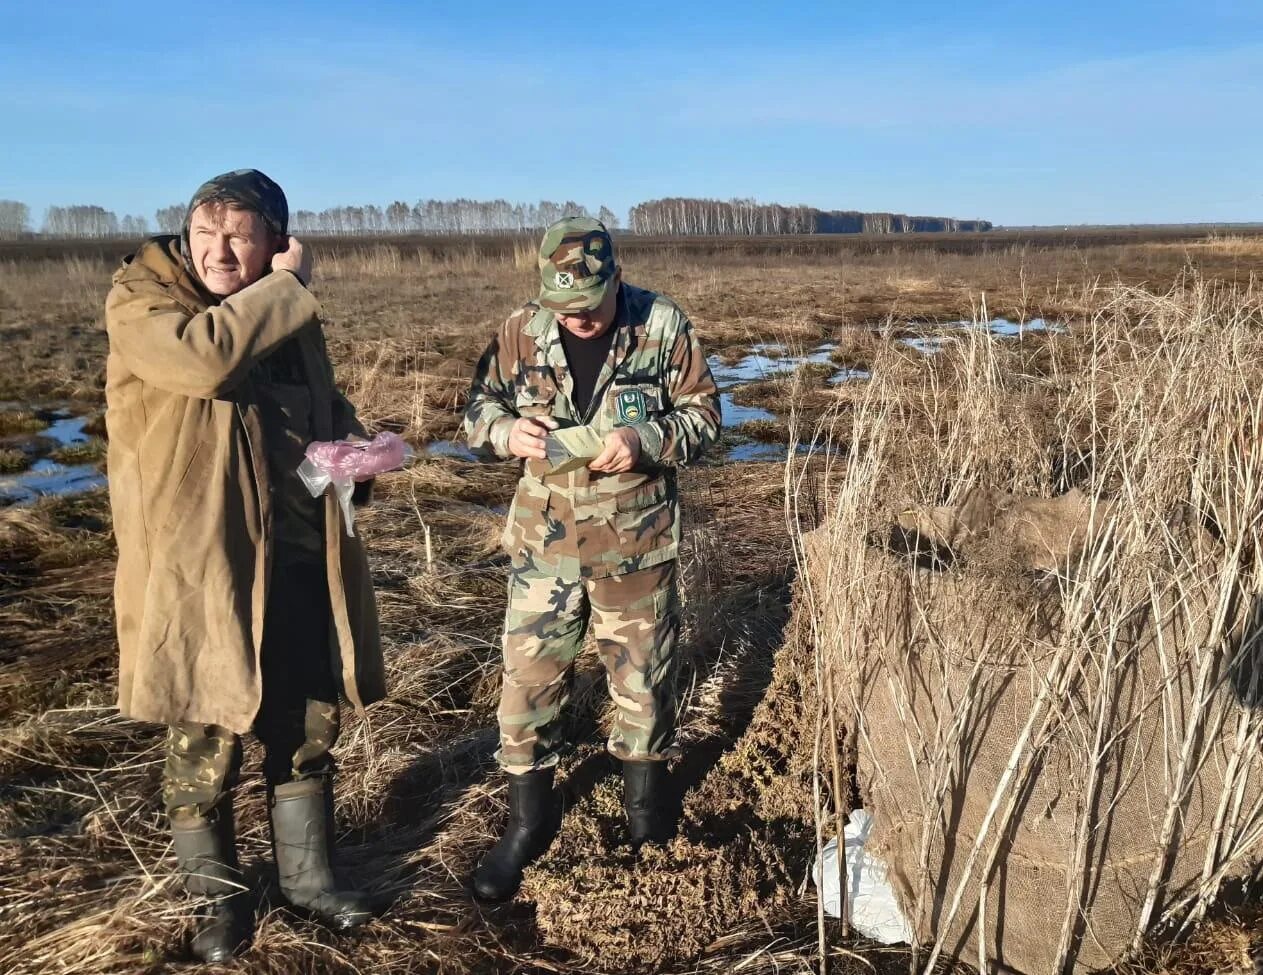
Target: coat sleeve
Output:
{"points": [[692, 423], [491, 411], [204, 355]]}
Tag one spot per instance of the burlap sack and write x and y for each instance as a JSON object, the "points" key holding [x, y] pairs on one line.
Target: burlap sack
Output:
{"points": [[1107, 759]]}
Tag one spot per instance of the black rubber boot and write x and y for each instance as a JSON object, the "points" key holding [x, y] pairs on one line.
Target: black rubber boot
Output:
{"points": [[302, 841], [534, 819], [644, 799], [206, 850]]}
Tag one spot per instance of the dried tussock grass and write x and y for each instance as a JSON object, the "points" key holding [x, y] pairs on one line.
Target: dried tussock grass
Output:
{"points": [[1227, 244], [13, 460]]}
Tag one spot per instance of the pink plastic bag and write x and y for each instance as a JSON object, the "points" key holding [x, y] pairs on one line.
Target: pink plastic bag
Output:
{"points": [[358, 460], [343, 462]]}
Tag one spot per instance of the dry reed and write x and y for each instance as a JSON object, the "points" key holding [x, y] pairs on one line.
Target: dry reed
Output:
{"points": [[1152, 410]]}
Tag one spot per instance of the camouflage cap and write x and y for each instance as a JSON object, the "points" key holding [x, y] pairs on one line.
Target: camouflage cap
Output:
{"points": [[576, 264], [246, 189]]}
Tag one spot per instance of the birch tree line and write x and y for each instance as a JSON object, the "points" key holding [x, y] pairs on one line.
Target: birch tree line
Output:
{"points": [[92, 221], [690, 216], [78, 220], [423, 217], [442, 217], [674, 216]]}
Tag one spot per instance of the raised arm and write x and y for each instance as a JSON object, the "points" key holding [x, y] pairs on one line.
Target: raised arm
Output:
{"points": [[206, 354]]}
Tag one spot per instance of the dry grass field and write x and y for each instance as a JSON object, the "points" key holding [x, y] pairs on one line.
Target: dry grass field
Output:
{"points": [[87, 883]]}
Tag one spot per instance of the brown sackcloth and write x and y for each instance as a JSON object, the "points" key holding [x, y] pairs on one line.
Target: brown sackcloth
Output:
{"points": [[941, 638]]}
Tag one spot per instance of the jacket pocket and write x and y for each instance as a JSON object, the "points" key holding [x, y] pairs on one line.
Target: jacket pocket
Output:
{"points": [[188, 491], [641, 497], [535, 398], [643, 518]]}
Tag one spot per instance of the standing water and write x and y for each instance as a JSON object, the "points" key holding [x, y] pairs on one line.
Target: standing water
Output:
{"points": [[48, 477]]}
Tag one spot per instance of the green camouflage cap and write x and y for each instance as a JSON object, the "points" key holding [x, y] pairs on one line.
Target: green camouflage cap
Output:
{"points": [[245, 189], [576, 264]]}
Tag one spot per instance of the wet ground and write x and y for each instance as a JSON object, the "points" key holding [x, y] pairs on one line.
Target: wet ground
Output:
{"points": [[948, 333], [769, 360], [48, 450]]}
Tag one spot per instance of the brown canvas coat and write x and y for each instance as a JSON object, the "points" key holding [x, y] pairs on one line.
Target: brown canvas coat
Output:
{"points": [[190, 492]]}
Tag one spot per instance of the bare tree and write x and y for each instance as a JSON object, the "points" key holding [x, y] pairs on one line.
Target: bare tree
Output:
{"points": [[15, 218], [170, 219], [608, 217], [134, 225]]}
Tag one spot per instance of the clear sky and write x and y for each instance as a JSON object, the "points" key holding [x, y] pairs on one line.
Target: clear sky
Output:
{"points": [[1068, 112]]}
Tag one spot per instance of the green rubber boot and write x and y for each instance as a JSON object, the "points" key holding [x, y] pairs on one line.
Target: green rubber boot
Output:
{"points": [[302, 840]]}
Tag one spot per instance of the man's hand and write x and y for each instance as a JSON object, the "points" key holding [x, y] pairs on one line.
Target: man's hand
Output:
{"points": [[622, 450], [294, 258], [526, 439]]}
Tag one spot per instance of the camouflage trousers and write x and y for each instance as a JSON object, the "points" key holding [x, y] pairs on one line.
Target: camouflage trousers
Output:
{"points": [[297, 722], [635, 619]]}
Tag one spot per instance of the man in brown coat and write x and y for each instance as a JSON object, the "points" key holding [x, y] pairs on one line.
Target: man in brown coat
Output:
{"points": [[242, 604]]}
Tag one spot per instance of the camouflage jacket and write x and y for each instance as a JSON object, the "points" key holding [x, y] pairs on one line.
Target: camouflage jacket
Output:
{"points": [[655, 380]]}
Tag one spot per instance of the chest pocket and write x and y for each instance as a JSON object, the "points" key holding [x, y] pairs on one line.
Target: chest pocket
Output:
{"points": [[535, 395], [629, 405]]}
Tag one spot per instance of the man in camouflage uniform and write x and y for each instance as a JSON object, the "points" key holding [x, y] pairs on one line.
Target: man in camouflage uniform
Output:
{"points": [[240, 603], [596, 545]]}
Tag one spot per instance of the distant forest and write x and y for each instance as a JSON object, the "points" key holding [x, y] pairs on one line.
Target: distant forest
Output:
{"points": [[676, 216], [668, 217]]}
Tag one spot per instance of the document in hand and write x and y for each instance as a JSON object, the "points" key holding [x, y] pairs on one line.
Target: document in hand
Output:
{"points": [[572, 448]]}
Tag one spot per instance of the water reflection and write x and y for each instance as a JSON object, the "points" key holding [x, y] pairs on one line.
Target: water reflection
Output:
{"points": [[46, 476], [1000, 327]]}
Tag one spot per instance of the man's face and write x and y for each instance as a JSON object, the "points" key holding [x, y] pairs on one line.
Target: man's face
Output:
{"points": [[595, 323], [230, 248]]}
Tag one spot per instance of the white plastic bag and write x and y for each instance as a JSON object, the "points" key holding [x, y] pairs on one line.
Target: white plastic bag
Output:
{"points": [[870, 901], [343, 463]]}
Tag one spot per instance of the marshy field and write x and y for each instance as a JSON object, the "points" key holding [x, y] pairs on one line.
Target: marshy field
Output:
{"points": [[873, 390]]}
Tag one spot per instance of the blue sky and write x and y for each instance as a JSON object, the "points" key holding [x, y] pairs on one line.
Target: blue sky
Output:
{"points": [[1019, 113]]}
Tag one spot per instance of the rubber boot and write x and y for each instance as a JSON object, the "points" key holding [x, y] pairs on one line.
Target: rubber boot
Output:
{"points": [[206, 850], [644, 800], [534, 819], [302, 841]]}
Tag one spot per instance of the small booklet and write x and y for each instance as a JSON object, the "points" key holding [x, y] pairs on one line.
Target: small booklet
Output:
{"points": [[572, 448]]}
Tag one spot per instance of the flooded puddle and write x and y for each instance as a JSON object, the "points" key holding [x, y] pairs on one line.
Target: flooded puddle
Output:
{"points": [[766, 361], [449, 448], [66, 430], [47, 476], [735, 415], [755, 452], [846, 375], [1000, 327]]}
